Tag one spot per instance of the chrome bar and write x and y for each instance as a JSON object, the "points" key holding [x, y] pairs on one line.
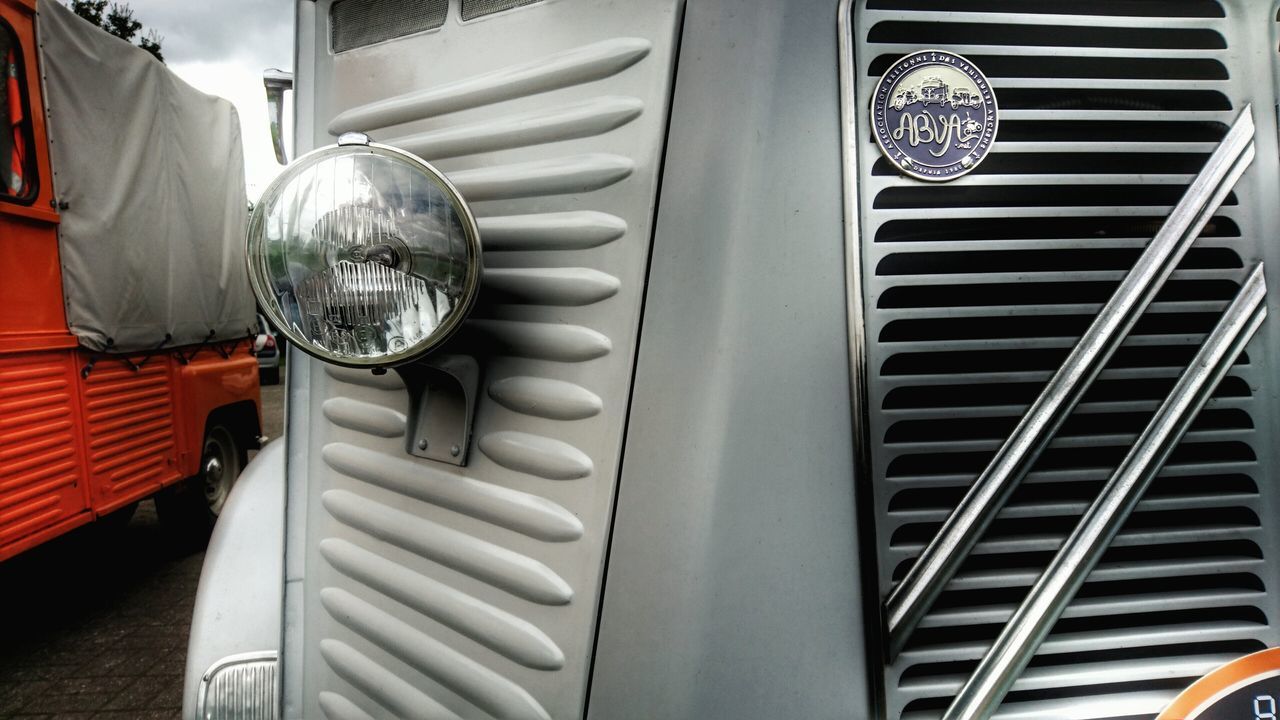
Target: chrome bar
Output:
{"points": [[911, 599], [1033, 620], [276, 82]]}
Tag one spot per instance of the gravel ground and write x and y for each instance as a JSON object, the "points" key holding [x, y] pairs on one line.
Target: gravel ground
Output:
{"points": [[95, 623]]}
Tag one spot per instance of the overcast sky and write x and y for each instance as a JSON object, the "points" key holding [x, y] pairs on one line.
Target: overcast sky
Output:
{"points": [[221, 48]]}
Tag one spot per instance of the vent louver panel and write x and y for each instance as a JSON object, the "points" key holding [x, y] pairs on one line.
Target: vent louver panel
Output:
{"points": [[479, 8], [41, 481], [975, 290], [434, 590], [357, 23]]}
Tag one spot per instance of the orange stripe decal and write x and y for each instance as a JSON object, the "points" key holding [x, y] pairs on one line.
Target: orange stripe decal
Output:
{"points": [[1199, 701]]}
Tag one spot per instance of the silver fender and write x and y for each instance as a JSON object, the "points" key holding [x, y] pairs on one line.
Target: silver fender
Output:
{"points": [[240, 598]]}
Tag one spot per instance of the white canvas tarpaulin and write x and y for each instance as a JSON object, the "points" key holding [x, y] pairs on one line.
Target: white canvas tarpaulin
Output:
{"points": [[152, 174]]}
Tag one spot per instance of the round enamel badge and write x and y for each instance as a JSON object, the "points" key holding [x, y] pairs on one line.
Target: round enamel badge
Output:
{"points": [[934, 115]]}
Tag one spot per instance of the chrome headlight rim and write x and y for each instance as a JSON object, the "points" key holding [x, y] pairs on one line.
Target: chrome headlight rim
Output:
{"points": [[266, 296]]}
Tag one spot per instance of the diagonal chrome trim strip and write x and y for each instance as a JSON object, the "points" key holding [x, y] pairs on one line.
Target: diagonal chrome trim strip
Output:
{"points": [[911, 599], [1049, 597]]}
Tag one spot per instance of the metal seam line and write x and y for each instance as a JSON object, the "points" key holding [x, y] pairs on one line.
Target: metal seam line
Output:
{"points": [[1055, 588], [911, 599]]}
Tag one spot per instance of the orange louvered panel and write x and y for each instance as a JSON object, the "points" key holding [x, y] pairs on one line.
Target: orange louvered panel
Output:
{"points": [[129, 429], [41, 480]]}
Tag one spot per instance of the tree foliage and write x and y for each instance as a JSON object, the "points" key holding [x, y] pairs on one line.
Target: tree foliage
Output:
{"points": [[117, 19]]}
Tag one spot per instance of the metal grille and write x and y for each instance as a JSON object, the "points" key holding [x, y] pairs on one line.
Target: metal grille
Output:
{"points": [[130, 427], [40, 477], [241, 688], [975, 291], [472, 9], [357, 23]]}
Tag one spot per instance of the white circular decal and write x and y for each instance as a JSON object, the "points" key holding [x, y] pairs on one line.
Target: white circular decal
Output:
{"points": [[934, 115]]}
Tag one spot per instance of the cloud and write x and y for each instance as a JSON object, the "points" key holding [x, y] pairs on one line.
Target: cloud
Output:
{"points": [[250, 31]]}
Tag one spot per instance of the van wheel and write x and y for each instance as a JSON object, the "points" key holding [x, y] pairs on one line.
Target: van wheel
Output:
{"points": [[219, 467], [190, 508]]}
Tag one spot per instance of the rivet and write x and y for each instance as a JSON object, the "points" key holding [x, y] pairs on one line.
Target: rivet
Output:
{"points": [[455, 450], [422, 444]]}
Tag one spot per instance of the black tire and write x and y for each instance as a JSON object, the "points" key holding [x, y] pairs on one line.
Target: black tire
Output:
{"points": [[190, 508], [269, 376]]}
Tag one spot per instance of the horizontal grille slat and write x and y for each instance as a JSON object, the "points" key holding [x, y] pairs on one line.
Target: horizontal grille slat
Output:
{"points": [[1021, 394], [1140, 8], [1024, 94], [1114, 115], [1028, 32], [1034, 53], [1136, 129], [1192, 630], [1158, 191], [931, 481], [1203, 561], [1054, 212], [918, 449], [1086, 163], [980, 362], [1094, 673], [927, 329], [976, 289], [988, 431], [1178, 311], [1063, 228], [1066, 259], [1005, 66]]}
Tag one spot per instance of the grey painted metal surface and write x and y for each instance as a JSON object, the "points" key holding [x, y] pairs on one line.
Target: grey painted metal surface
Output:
{"points": [[975, 290], [1080, 553], [307, 49], [238, 603], [421, 589], [733, 587], [911, 598]]}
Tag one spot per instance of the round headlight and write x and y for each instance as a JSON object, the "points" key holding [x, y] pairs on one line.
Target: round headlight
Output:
{"points": [[364, 255]]}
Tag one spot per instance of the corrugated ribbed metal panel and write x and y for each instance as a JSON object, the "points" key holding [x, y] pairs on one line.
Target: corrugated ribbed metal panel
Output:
{"points": [[976, 289], [129, 423], [41, 479], [440, 591]]}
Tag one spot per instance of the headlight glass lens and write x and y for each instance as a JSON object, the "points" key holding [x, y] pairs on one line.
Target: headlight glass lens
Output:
{"points": [[364, 255]]}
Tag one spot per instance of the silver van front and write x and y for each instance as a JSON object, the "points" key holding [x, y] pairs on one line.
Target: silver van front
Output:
{"points": [[736, 361]]}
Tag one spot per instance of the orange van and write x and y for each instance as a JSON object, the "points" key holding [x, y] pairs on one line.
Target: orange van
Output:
{"points": [[109, 391]]}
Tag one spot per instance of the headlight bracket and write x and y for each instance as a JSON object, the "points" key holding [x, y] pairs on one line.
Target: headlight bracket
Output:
{"points": [[443, 390]]}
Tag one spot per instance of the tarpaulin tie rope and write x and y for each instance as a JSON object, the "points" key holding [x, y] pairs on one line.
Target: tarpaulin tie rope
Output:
{"points": [[185, 359], [138, 366]]}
